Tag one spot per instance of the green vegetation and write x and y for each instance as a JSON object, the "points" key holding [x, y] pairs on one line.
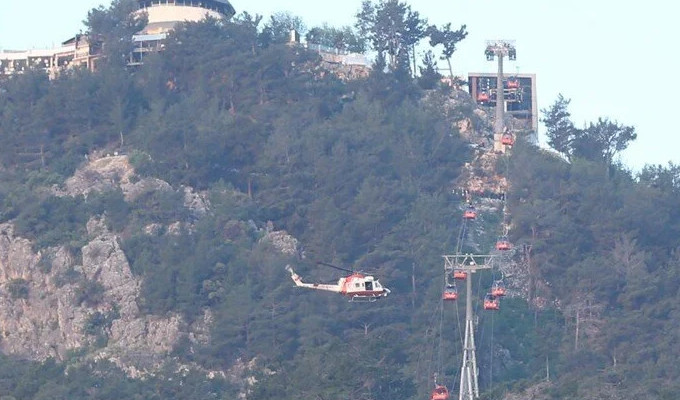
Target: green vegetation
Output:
{"points": [[361, 174], [18, 288]]}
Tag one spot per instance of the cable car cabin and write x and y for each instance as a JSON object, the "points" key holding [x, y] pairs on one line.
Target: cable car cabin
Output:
{"points": [[458, 274], [482, 97], [512, 83], [450, 293], [491, 302], [470, 213], [498, 289], [507, 139], [440, 392], [503, 244]]}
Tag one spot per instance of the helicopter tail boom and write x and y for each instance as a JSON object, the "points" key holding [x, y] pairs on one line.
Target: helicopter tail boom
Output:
{"points": [[318, 286]]}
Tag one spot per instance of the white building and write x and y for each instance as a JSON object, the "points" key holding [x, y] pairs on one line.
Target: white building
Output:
{"points": [[163, 15]]}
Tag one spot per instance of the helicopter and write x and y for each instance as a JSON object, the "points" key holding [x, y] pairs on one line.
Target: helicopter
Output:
{"points": [[356, 286]]}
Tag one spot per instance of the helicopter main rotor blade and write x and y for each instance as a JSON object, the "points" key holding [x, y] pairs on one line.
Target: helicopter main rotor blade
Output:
{"points": [[335, 266]]}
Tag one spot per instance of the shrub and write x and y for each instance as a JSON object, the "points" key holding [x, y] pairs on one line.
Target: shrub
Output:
{"points": [[18, 288], [89, 292]]}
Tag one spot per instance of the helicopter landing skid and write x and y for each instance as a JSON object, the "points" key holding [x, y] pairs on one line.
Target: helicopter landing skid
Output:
{"points": [[363, 299]]}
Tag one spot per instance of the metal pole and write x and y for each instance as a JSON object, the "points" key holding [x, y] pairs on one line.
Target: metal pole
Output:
{"points": [[469, 315], [500, 96], [469, 386], [463, 389], [467, 373]]}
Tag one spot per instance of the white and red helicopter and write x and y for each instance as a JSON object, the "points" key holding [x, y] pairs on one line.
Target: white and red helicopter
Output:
{"points": [[356, 286]]}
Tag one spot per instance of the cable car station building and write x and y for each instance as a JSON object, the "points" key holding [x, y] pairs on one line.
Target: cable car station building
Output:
{"points": [[519, 96]]}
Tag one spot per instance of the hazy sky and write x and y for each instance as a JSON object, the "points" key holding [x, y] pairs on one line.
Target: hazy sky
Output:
{"points": [[600, 54]]}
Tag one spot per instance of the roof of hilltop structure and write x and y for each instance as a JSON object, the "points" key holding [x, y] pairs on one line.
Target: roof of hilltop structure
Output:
{"points": [[222, 6]]}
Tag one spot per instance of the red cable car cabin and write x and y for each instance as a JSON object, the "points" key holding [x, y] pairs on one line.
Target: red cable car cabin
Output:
{"points": [[491, 302], [450, 293], [458, 274], [470, 213], [503, 244], [512, 83], [507, 139], [498, 289], [482, 96], [440, 393]]}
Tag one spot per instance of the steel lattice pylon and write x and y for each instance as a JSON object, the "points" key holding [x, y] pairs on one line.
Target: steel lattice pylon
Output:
{"points": [[469, 386]]}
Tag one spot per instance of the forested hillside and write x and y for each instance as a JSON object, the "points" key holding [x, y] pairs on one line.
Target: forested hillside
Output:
{"points": [[362, 174]]}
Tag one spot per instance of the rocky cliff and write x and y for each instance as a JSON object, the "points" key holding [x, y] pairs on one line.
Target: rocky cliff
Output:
{"points": [[57, 300], [52, 303], [60, 301]]}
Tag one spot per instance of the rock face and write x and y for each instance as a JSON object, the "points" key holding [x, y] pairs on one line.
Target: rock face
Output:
{"points": [[480, 177], [539, 391], [54, 301], [107, 173], [57, 300], [34, 325], [49, 304], [281, 240]]}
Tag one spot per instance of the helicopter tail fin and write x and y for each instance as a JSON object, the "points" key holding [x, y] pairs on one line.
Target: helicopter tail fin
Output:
{"points": [[293, 275]]}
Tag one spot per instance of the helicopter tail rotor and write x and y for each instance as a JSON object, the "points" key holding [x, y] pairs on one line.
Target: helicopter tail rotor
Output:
{"points": [[296, 278]]}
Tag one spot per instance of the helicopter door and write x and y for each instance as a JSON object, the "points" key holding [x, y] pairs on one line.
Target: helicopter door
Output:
{"points": [[369, 285]]}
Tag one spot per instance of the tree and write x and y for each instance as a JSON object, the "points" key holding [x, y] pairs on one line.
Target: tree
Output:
{"points": [[277, 29], [560, 129], [23, 119], [666, 179], [599, 141], [429, 77], [343, 38], [603, 140], [114, 26], [449, 39], [391, 28]]}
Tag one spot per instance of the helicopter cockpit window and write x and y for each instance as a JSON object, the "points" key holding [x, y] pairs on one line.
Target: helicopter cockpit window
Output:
{"points": [[377, 284], [369, 285]]}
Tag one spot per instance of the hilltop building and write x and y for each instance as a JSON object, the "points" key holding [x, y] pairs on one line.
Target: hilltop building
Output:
{"points": [[344, 64], [74, 52], [164, 15], [81, 51]]}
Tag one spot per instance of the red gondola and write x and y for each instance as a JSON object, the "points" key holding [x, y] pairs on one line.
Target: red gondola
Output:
{"points": [[450, 293], [470, 213], [507, 139], [459, 274], [482, 96], [440, 392], [498, 289], [503, 244], [512, 83], [491, 302]]}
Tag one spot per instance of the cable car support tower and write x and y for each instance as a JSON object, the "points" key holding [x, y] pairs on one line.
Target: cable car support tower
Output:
{"points": [[500, 49], [469, 387]]}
